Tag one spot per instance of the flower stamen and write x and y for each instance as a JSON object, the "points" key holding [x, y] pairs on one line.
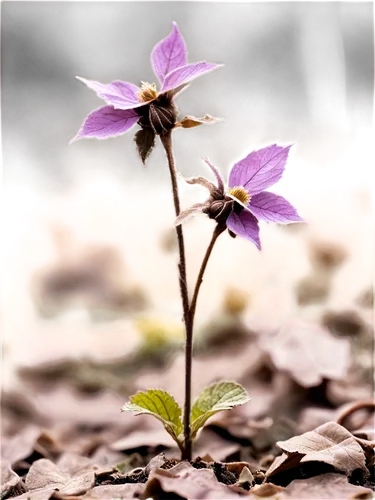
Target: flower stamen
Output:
{"points": [[148, 92], [241, 194]]}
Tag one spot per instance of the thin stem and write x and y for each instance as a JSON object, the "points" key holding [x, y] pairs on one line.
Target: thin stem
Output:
{"points": [[166, 140], [217, 232], [189, 346]]}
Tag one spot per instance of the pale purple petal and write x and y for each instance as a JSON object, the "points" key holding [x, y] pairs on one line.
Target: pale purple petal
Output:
{"points": [[121, 95], [169, 54], [107, 122], [271, 207], [190, 212], [186, 74], [245, 225], [217, 174], [260, 169]]}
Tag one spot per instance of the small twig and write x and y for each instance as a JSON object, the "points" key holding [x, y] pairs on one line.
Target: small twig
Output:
{"points": [[358, 405]]}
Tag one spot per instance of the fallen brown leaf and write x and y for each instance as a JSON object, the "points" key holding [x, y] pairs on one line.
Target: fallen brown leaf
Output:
{"points": [[117, 491], [330, 443], [283, 463], [21, 445], [325, 486], [74, 480], [309, 353], [38, 494], [266, 490], [11, 484], [187, 482]]}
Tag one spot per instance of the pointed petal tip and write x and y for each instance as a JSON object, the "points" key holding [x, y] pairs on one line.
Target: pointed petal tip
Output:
{"points": [[75, 138]]}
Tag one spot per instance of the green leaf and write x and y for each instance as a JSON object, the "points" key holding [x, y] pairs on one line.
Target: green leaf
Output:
{"points": [[217, 397], [162, 406]]}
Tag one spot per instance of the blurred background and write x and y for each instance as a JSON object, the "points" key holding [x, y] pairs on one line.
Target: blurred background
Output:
{"points": [[293, 72], [90, 293]]}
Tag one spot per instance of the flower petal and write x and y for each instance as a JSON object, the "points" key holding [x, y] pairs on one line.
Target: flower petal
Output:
{"points": [[245, 225], [185, 74], [217, 174], [107, 122], [189, 212], [260, 169], [271, 207], [121, 95], [169, 54]]}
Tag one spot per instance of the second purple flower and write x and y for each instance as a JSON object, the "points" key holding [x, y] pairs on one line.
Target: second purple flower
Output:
{"points": [[245, 202]]}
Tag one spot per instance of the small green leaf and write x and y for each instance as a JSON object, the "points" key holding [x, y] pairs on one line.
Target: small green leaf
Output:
{"points": [[162, 406], [217, 397]]}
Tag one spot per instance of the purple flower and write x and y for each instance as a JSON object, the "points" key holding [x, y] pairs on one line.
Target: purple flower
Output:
{"points": [[128, 104], [245, 202]]}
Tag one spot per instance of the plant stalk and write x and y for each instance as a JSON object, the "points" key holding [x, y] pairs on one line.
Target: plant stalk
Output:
{"points": [[217, 232], [189, 343], [166, 140], [188, 311]]}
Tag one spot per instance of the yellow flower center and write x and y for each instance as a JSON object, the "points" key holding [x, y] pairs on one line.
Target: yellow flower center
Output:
{"points": [[241, 194], [148, 92]]}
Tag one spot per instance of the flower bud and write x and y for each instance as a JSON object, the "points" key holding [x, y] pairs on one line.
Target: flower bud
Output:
{"points": [[220, 209], [160, 115]]}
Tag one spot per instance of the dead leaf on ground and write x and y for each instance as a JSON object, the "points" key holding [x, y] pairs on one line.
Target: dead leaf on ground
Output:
{"points": [[309, 353], [71, 479], [325, 486], [21, 445], [266, 490], [187, 482], [39, 494], [12, 485], [330, 443], [116, 491], [283, 463]]}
